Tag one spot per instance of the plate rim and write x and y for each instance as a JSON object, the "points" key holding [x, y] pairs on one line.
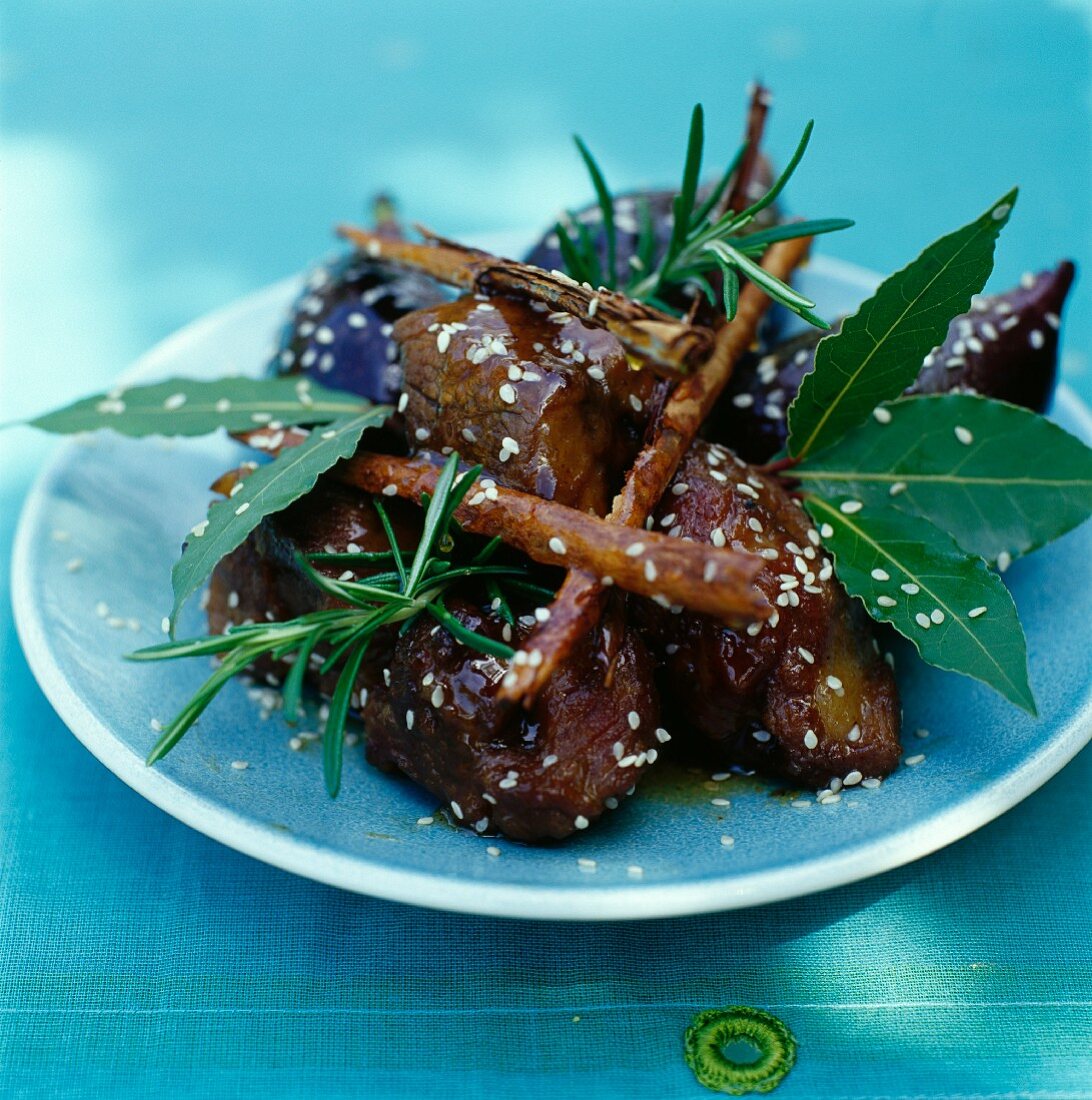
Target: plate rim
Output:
{"points": [[446, 892]]}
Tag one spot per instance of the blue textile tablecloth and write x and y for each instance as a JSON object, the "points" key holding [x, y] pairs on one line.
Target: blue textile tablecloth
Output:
{"points": [[161, 159]]}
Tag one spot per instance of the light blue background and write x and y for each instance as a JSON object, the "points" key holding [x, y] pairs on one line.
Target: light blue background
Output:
{"points": [[162, 159]]}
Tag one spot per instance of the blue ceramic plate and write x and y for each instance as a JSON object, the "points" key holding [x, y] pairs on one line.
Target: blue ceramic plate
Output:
{"points": [[126, 506]]}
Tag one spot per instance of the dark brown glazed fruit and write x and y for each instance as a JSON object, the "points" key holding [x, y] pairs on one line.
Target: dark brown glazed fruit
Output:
{"points": [[542, 774], [546, 404], [804, 696], [339, 328], [1005, 347]]}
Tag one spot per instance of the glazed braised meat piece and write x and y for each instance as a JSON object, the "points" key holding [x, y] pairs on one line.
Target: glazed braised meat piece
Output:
{"points": [[804, 696], [543, 402], [1006, 347], [542, 774], [262, 579], [429, 702], [339, 328]]}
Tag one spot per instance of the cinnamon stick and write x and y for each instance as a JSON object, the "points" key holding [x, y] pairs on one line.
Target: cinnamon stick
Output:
{"points": [[665, 344], [675, 572]]}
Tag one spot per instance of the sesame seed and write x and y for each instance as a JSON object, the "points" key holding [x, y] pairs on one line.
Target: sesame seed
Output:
{"points": [[1036, 339], [457, 810], [556, 545], [508, 782], [1004, 560], [390, 490], [634, 720], [650, 570], [596, 373], [882, 415], [937, 616], [910, 588], [761, 736], [746, 490], [635, 871], [636, 403], [849, 507], [549, 761], [826, 531], [493, 851], [581, 822], [74, 565], [810, 740], [437, 698], [723, 803], [963, 435], [443, 341], [870, 784], [922, 620], [728, 841], [662, 735], [880, 574], [835, 684], [755, 525], [853, 778], [242, 508], [975, 612], [635, 549], [743, 400], [421, 434], [175, 401], [913, 761], [886, 601], [717, 537], [507, 394]]}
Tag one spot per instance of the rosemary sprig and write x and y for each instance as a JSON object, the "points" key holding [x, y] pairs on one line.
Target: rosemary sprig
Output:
{"points": [[702, 241], [416, 585]]}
